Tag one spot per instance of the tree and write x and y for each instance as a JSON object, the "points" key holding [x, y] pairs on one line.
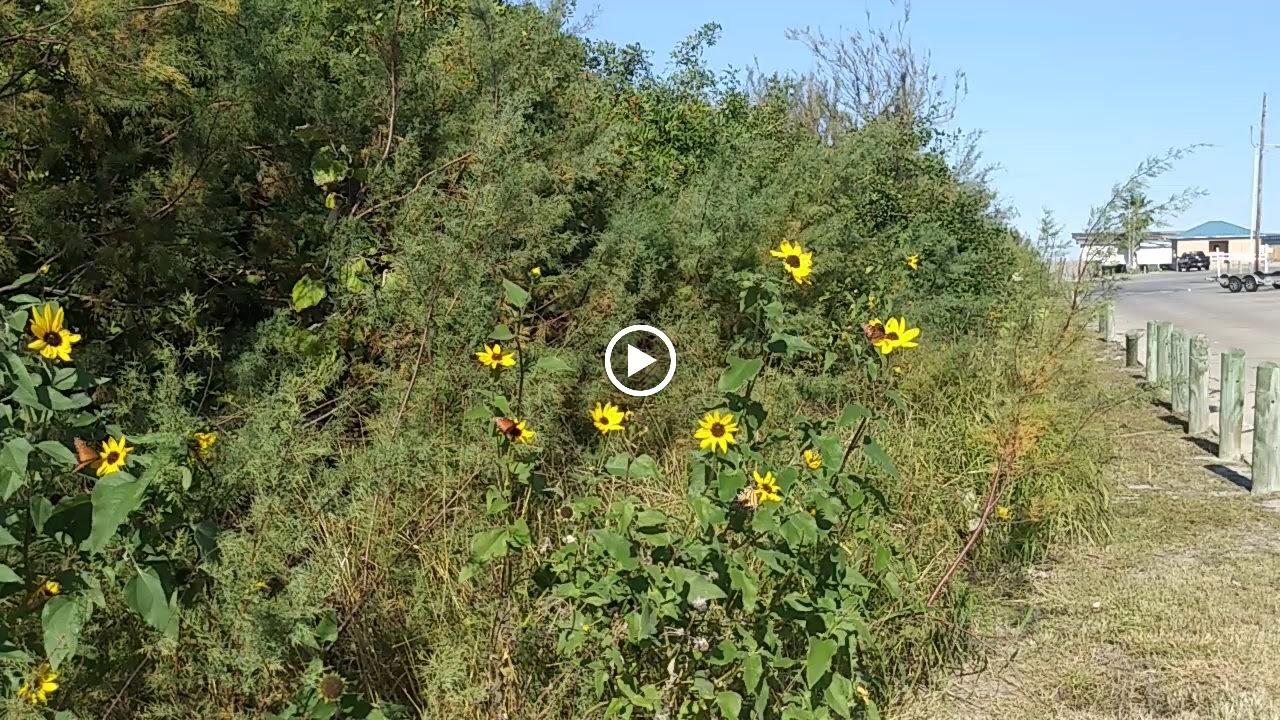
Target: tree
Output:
{"points": [[1137, 215]]}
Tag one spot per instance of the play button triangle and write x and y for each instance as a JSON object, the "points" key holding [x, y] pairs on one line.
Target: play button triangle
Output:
{"points": [[637, 360]]}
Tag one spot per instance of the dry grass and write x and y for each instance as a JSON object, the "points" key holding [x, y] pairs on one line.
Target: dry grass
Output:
{"points": [[1174, 617]]}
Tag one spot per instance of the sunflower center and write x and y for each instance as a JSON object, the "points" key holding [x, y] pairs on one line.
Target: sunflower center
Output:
{"points": [[793, 261], [113, 458], [717, 430], [52, 339]]}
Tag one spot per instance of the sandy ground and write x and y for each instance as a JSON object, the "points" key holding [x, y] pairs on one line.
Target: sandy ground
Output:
{"points": [[1174, 617]]}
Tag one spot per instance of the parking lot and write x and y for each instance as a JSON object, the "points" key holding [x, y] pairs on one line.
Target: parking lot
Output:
{"points": [[1195, 302]]}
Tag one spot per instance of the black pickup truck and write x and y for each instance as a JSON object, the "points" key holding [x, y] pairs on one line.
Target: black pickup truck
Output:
{"points": [[1189, 261]]}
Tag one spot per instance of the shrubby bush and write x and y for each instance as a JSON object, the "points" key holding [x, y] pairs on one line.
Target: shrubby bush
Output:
{"points": [[295, 223]]}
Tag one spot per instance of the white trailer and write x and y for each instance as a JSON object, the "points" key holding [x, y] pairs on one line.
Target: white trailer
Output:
{"points": [[1151, 255]]}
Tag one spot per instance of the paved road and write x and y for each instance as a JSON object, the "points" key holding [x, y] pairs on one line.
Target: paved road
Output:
{"points": [[1250, 321]]}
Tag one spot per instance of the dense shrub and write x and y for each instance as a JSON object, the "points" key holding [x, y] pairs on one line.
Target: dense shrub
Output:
{"points": [[297, 221]]}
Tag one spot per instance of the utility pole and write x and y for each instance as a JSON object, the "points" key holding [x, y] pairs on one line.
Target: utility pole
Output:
{"points": [[1257, 189]]}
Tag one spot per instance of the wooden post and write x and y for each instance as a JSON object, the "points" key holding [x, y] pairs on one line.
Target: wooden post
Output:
{"points": [[1131, 348], [1106, 317], [1178, 380], [1153, 353], [1231, 405], [1165, 371], [1198, 386], [1266, 430]]}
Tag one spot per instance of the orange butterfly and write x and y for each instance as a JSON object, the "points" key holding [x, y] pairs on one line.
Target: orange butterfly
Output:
{"points": [[507, 427], [874, 332], [85, 455]]}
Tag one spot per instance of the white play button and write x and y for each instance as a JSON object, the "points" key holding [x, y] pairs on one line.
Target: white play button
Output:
{"points": [[638, 360]]}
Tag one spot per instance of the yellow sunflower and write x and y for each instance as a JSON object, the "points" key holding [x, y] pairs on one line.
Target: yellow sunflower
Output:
{"points": [[897, 335], [494, 357], [1003, 512], [796, 261], [607, 418], [715, 431], [37, 688], [812, 459], [204, 442], [113, 454], [522, 434], [913, 261], [535, 273], [51, 588], [52, 340], [766, 489]]}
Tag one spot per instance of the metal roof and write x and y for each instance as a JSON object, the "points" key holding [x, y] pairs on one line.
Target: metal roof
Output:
{"points": [[1214, 229]]}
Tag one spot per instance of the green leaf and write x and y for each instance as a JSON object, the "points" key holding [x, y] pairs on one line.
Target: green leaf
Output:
{"points": [[61, 619], [818, 661], [19, 372], [616, 545], [7, 575], [853, 412], [7, 538], [114, 497], [501, 333], [742, 581], [516, 296], [327, 168], [551, 363], [327, 631], [41, 509], [624, 466], [752, 671], [784, 344], [739, 373], [307, 292], [352, 276], [489, 545], [730, 704], [839, 695], [144, 594], [697, 584], [877, 455], [57, 452], [13, 465]]}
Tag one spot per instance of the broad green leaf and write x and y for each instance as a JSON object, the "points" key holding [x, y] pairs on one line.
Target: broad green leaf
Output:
{"points": [[839, 695], [818, 661], [489, 545], [327, 168], [784, 344], [551, 363], [516, 296], [307, 292], [800, 529], [698, 586], [877, 455], [327, 631], [729, 483], [114, 497], [41, 509], [477, 412], [21, 377], [13, 466], [752, 671], [501, 333], [7, 538], [7, 575], [352, 276], [61, 620], [853, 412], [739, 373], [144, 594], [730, 704], [742, 581], [616, 545], [518, 534], [623, 465], [57, 452]]}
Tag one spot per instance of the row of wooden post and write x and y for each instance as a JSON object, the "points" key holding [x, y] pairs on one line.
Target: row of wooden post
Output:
{"points": [[1180, 363]]}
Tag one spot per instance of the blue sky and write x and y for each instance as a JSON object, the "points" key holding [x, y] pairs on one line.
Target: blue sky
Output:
{"points": [[1071, 95]]}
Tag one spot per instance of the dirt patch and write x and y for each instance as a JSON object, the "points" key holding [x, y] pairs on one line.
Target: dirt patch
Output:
{"points": [[1177, 616]]}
